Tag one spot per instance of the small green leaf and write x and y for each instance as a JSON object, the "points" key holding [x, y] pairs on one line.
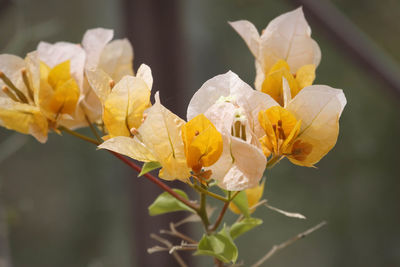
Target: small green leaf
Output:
{"points": [[243, 226], [165, 203], [219, 245], [241, 203], [149, 166]]}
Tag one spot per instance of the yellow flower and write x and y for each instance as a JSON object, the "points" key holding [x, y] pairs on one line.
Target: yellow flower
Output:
{"points": [[306, 129], [57, 74], [123, 103], [287, 38], [253, 197], [157, 139], [203, 143], [17, 108]]}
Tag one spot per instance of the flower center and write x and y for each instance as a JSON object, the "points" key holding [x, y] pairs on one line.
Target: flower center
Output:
{"points": [[281, 129]]}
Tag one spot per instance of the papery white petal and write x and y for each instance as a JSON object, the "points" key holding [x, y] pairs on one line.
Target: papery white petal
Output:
{"points": [[319, 108], [245, 171], [144, 72], [288, 37], [11, 66], [94, 41], [116, 59], [249, 33]]}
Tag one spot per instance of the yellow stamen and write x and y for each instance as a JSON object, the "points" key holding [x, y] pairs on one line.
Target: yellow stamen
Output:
{"points": [[9, 94], [26, 82]]}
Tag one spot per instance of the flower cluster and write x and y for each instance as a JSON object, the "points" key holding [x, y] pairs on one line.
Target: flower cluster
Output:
{"points": [[232, 133]]}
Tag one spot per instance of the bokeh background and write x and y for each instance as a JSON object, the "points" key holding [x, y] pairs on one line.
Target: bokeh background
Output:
{"points": [[64, 204]]}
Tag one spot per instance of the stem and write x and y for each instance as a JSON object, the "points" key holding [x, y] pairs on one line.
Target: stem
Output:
{"points": [[211, 194], [156, 181], [274, 160], [202, 212], [223, 211], [93, 129], [80, 136]]}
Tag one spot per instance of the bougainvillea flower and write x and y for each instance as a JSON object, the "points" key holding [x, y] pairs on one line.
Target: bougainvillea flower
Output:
{"points": [[124, 102], [57, 72], [307, 128], [253, 197], [18, 110], [202, 141], [287, 38], [233, 106], [157, 139]]}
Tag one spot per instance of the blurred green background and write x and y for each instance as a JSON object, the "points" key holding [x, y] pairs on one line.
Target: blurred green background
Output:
{"points": [[64, 204]]}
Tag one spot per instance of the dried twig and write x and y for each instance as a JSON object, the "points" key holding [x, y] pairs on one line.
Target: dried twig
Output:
{"points": [[276, 248], [174, 232], [169, 247]]}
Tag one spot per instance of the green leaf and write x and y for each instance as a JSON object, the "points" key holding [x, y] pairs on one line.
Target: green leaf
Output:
{"points": [[149, 166], [219, 245], [241, 203], [165, 203], [243, 226]]}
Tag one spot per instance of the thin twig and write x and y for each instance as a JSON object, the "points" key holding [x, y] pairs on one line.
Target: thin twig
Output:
{"points": [[176, 233], [94, 131], [80, 136], [211, 194], [276, 248], [169, 246]]}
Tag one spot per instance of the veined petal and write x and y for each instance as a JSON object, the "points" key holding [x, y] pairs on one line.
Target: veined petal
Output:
{"points": [[100, 83], [124, 107], [130, 147], [161, 134], [247, 167], [144, 72], [116, 59], [93, 42], [288, 37], [319, 108], [23, 118], [249, 33]]}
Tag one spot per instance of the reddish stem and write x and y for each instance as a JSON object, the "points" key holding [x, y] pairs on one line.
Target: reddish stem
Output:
{"points": [[221, 215], [156, 181]]}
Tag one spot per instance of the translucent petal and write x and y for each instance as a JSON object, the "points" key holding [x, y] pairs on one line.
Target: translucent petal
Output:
{"points": [[319, 108]]}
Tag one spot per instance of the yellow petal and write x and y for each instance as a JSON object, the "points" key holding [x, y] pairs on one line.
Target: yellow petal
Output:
{"points": [[161, 134], [23, 118], [319, 108], [130, 147], [124, 107], [273, 84], [305, 76], [59, 92], [203, 143], [100, 83]]}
